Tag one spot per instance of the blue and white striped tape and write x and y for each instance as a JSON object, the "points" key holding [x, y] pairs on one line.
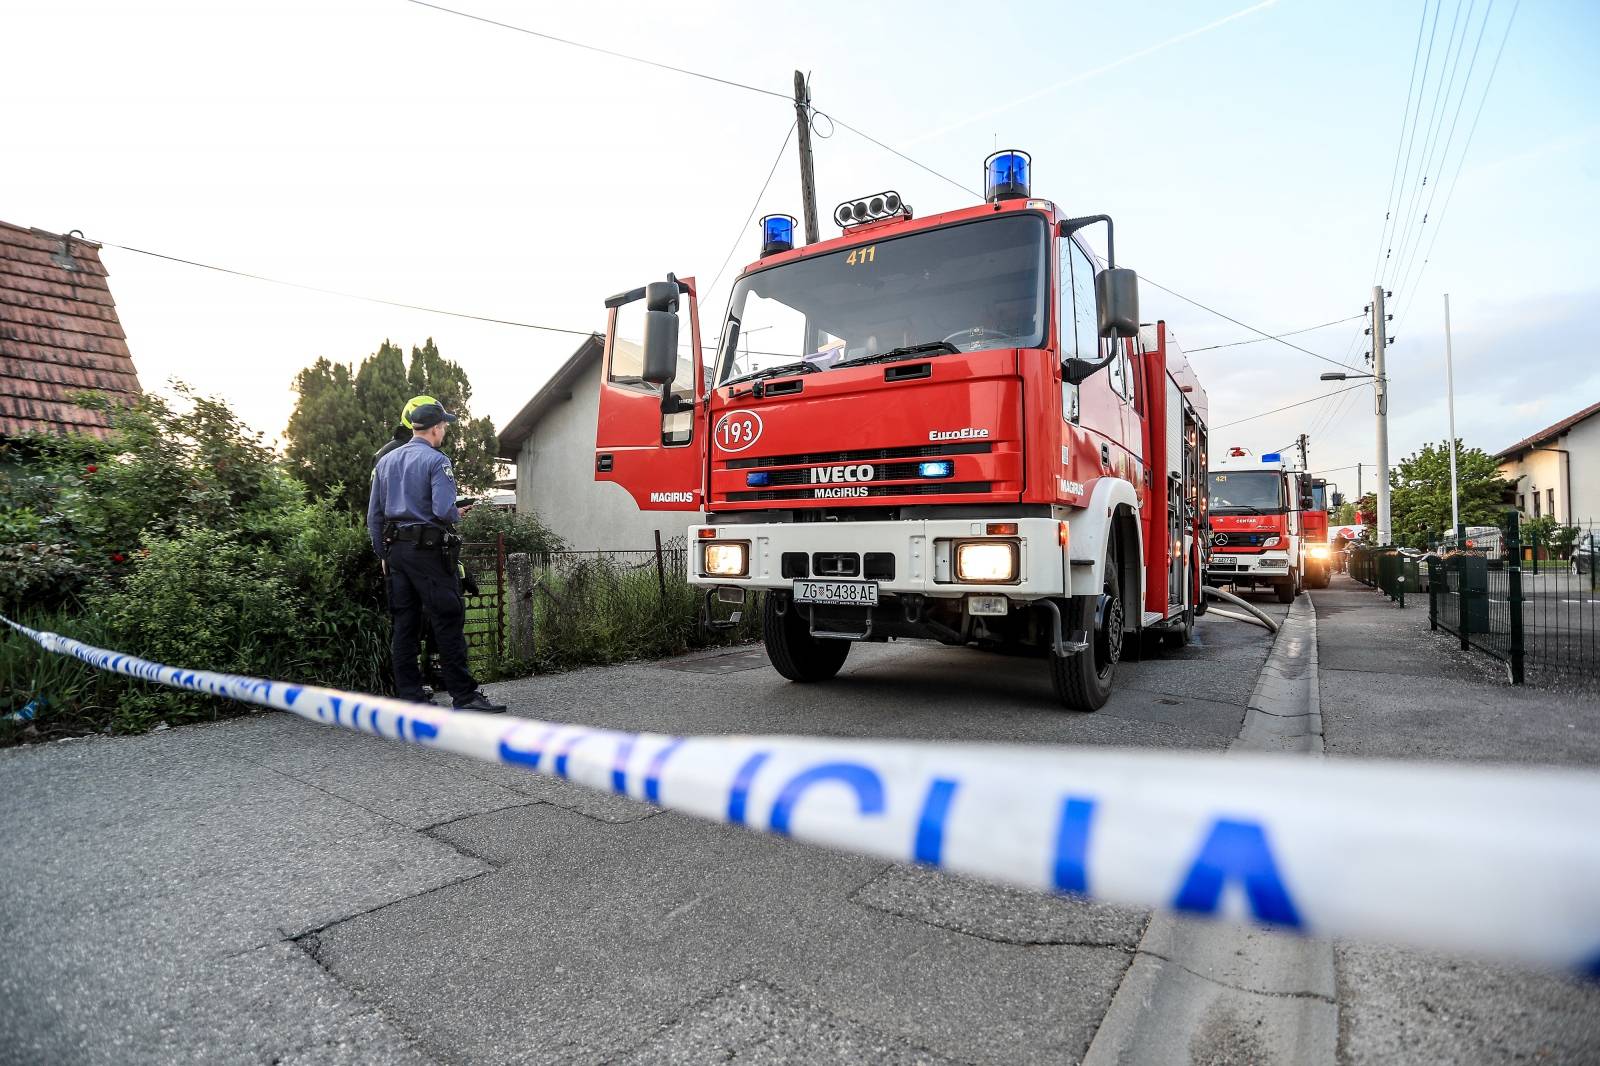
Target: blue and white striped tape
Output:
{"points": [[1495, 861]]}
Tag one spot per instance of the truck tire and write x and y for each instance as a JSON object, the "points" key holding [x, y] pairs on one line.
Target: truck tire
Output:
{"points": [[1083, 681], [791, 648], [1288, 588]]}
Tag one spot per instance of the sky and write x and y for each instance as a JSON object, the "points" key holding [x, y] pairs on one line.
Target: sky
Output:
{"points": [[1248, 152]]}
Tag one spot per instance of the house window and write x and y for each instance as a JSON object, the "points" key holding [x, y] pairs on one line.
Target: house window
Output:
{"points": [[1550, 501], [1522, 502], [1536, 503]]}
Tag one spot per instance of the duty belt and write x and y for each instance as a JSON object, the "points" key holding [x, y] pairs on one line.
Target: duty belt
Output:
{"points": [[423, 536]]}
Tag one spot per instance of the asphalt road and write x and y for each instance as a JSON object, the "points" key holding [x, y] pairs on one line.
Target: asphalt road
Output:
{"points": [[268, 890]]}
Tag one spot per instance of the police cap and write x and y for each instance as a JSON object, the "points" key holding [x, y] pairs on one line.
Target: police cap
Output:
{"points": [[423, 412], [428, 415]]}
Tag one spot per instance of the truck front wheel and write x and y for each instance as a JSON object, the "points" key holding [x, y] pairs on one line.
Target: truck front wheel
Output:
{"points": [[1288, 588], [791, 648], [1083, 681]]}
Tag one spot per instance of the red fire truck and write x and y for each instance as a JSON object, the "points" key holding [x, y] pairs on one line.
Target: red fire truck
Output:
{"points": [[1318, 553], [950, 428], [1257, 505]]}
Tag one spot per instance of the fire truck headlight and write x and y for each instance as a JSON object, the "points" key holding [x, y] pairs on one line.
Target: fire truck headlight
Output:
{"points": [[1320, 551], [726, 558], [1270, 542], [986, 561]]}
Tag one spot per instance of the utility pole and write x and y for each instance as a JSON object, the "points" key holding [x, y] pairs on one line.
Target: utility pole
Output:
{"points": [[1450, 397], [1358, 484], [808, 177], [1380, 330], [1305, 462]]}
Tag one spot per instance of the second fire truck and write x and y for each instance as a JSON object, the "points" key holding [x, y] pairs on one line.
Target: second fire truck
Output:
{"points": [[1258, 537], [950, 428]]}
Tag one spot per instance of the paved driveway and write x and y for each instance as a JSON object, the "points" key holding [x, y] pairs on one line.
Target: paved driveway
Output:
{"points": [[268, 890]]}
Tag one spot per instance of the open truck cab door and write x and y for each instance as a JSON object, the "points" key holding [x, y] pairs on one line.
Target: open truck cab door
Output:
{"points": [[651, 436]]}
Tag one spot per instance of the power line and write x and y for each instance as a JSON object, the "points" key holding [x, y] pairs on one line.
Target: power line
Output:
{"points": [[1409, 257], [345, 295], [753, 207], [1410, 140], [1455, 179], [1274, 337], [1287, 407], [603, 51], [1400, 142], [908, 159], [1246, 325]]}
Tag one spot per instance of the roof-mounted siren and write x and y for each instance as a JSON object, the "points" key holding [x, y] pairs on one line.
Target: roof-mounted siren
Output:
{"points": [[870, 209], [1007, 175], [777, 234]]}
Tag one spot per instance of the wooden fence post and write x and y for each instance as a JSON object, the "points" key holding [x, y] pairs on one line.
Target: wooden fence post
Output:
{"points": [[520, 628]]}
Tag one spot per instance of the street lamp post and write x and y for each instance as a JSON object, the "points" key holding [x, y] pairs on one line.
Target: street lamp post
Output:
{"points": [[1450, 401], [1380, 382], [1383, 458]]}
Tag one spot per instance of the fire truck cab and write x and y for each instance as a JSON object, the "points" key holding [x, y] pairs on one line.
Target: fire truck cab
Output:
{"points": [[950, 428], [1257, 537]]}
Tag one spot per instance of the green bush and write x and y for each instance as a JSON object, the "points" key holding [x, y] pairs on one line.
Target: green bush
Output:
{"points": [[523, 532], [67, 696], [182, 540]]}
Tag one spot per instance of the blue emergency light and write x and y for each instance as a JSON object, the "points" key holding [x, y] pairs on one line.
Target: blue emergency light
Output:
{"points": [[758, 478], [777, 234], [1272, 457], [939, 468], [1006, 175]]}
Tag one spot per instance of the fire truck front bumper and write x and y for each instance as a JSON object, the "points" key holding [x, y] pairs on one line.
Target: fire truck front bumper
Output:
{"points": [[830, 562], [1244, 568]]}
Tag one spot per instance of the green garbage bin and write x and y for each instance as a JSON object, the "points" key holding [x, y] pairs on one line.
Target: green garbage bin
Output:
{"points": [[1475, 591]]}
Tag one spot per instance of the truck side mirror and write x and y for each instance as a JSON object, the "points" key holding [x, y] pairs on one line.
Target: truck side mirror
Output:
{"points": [[1116, 293], [660, 347], [1338, 499]]}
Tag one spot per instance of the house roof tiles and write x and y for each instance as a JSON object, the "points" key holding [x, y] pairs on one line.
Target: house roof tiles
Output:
{"points": [[59, 334]]}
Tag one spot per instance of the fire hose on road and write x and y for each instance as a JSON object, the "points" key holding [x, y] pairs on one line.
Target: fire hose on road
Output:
{"points": [[1497, 861], [1260, 617]]}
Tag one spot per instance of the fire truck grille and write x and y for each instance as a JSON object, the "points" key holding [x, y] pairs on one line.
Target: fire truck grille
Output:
{"points": [[869, 455], [809, 491], [1239, 540]]}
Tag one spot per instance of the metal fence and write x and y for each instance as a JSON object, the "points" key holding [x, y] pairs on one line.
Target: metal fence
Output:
{"points": [[1533, 605], [1386, 569], [485, 563]]}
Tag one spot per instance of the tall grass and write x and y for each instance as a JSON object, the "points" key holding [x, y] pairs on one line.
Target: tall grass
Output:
{"points": [[591, 611]]}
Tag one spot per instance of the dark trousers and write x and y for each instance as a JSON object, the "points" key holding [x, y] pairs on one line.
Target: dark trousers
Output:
{"points": [[422, 586]]}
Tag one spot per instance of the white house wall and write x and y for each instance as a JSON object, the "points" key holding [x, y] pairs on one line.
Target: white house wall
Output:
{"points": [[555, 479], [1544, 469], [1584, 444]]}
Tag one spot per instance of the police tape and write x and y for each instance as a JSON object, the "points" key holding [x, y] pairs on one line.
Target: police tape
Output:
{"points": [[1495, 861]]}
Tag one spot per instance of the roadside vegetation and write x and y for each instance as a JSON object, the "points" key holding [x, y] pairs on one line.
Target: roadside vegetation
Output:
{"points": [[187, 540]]}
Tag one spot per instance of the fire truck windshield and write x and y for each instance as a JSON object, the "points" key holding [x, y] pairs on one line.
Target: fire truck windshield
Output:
{"points": [[960, 288], [1247, 492]]}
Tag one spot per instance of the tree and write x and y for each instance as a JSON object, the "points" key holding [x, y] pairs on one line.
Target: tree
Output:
{"points": [[1420, 492], [344, 414], [1345, 515]]}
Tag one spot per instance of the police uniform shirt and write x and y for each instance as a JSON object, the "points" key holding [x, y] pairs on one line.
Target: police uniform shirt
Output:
{"points": [[413, 485]]}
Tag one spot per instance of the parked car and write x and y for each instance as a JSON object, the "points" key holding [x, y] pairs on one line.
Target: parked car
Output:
{"points": [[1584, 551]]}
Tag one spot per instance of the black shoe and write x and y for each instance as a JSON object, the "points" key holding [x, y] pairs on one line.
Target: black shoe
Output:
{"points": [[481, 703]]}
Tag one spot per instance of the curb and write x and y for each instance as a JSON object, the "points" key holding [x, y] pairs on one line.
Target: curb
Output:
{"points": [[1203, 992]]}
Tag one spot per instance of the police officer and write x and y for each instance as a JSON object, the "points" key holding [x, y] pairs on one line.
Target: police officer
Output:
{"points": [[409, 517]]}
